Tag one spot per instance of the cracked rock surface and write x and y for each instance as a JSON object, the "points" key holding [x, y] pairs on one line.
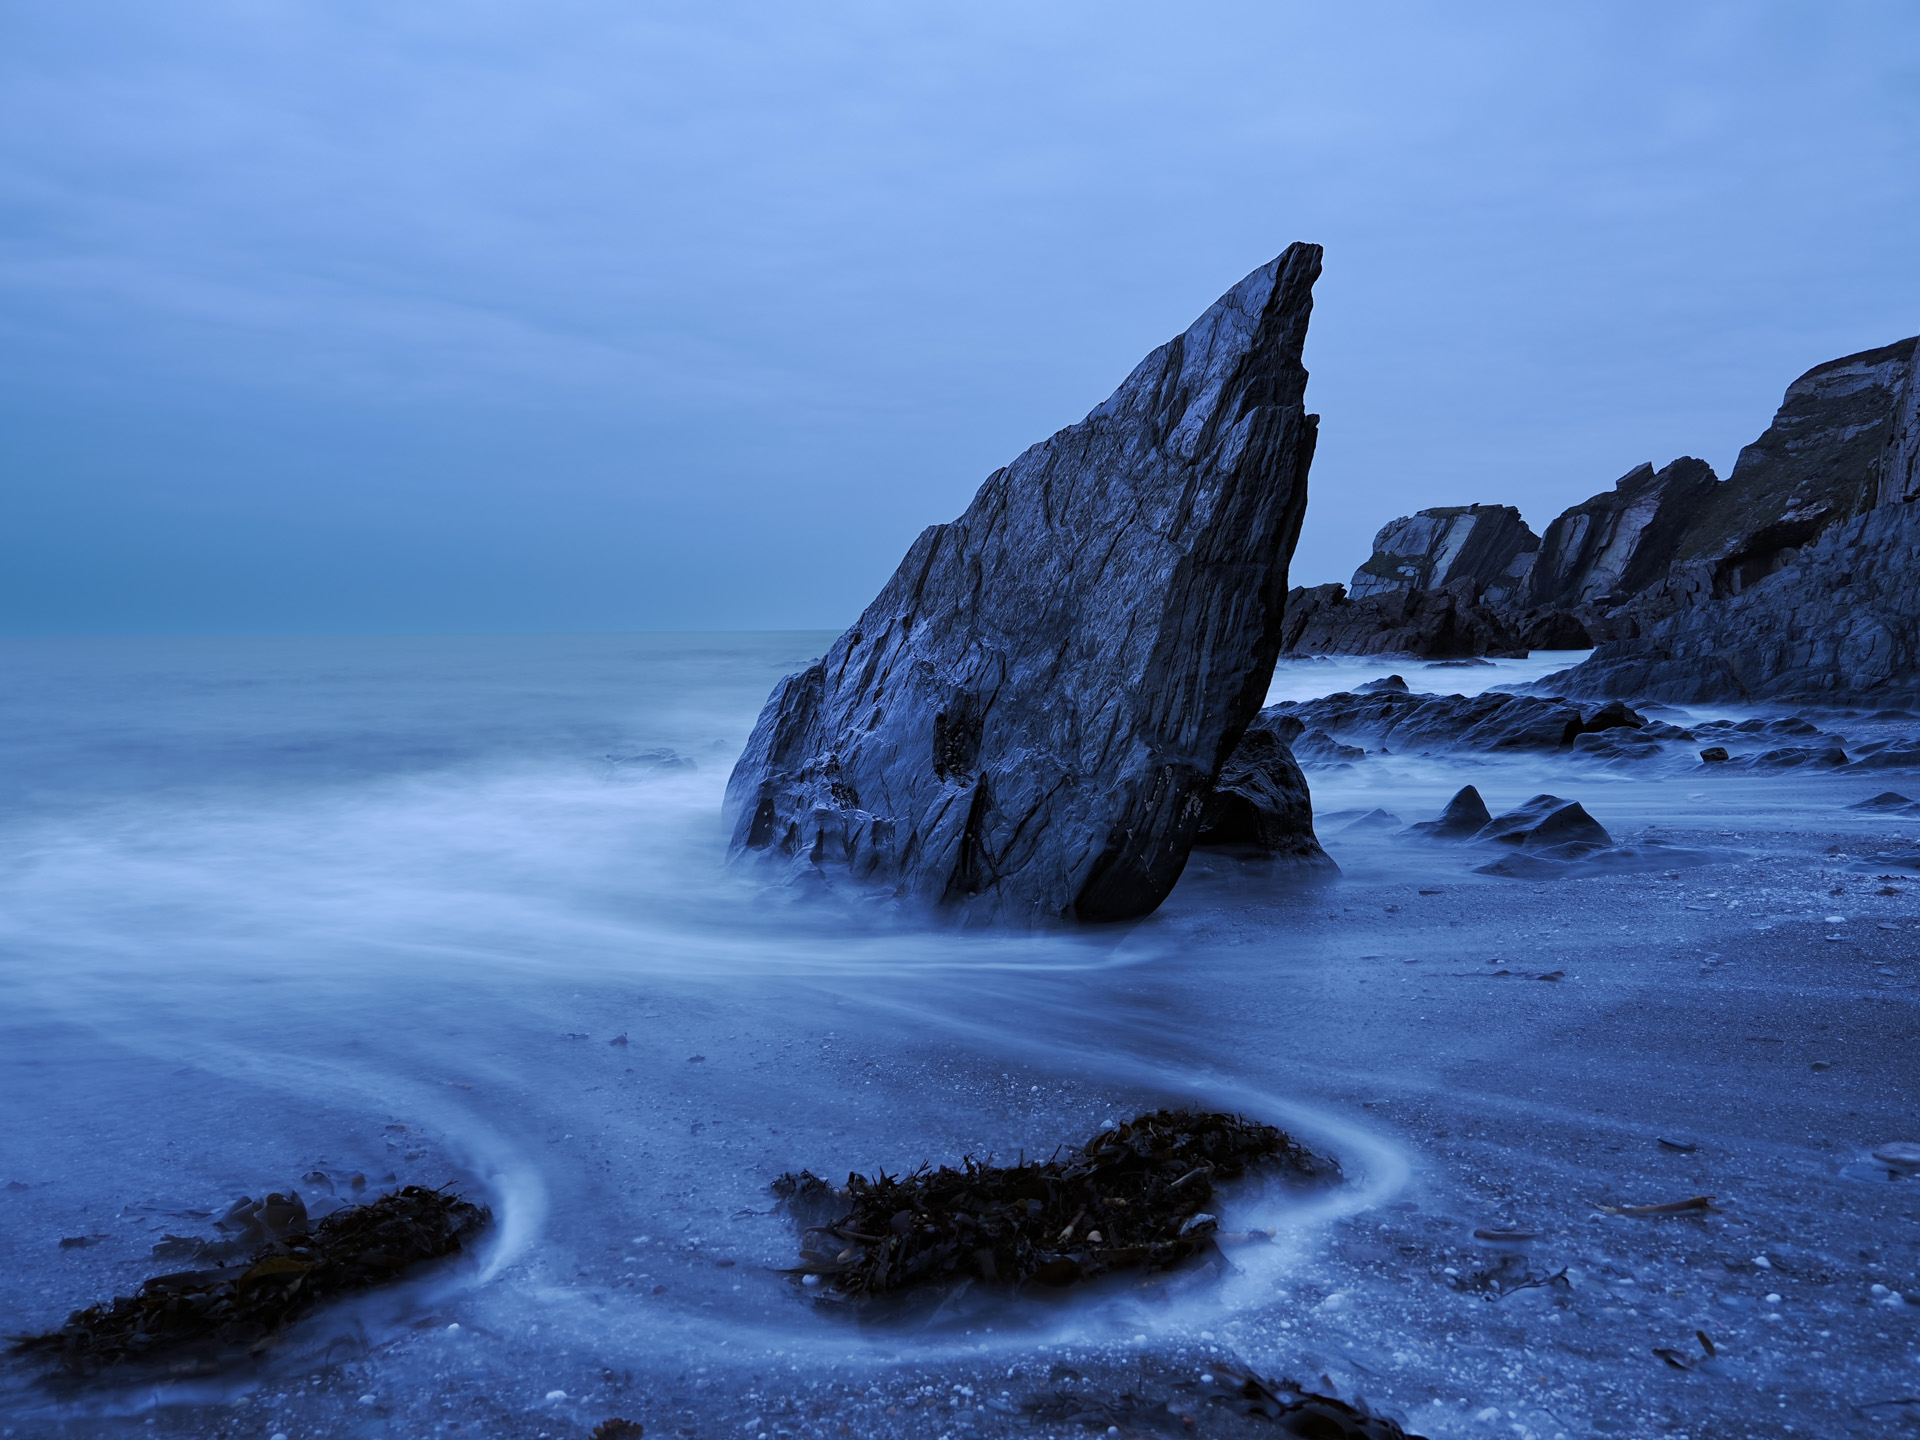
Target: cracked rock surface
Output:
{"points": [[1028, 721]]}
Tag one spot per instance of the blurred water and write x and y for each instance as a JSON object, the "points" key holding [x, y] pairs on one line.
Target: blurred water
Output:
{"points": [[453, 909], [383, 905]]}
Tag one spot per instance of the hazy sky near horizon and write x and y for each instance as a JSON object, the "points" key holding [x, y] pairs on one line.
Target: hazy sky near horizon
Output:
{"points": [[595, 316]]}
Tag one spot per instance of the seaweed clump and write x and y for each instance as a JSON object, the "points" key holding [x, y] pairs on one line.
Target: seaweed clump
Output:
{"points": [[1135, 1196], [237, 1307]]}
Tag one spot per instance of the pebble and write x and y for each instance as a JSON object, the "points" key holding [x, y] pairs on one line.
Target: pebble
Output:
{"points": [[1903, 1153], [556, 1394], [810, 1281], [1773, 1299]]}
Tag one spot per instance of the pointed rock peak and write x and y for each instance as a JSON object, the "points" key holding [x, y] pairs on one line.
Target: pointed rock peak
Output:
{"points": [[1027, 722]]}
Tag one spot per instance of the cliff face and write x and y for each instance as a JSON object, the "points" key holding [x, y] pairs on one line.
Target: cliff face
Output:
{"points": [[1801, 581], [1027, 723], [1620, 541], [1629, 568], [1817, 465]]}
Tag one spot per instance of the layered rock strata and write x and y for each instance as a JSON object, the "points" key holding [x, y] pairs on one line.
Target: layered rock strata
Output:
{"points": [[1028, 722], [1816, 603], [1446, 623], [1618, 568], [1614, 545], [1431, 549]]}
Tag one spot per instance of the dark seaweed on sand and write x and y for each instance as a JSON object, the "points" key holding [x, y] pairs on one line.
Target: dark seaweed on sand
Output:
{"points": [[238, 1306], [1132, 1197]]}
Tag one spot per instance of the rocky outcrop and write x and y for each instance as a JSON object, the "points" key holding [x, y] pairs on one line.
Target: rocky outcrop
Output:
{"points": [[1027, 723], [1778, 592], [1431, 549], [1405, 723], [1606, 549], [1627, 569], [1442, 624], [1840, 625]]}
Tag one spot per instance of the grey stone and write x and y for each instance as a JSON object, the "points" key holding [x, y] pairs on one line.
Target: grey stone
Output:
{"points": [[1885, 800], [1429, 550], [1442, 724], [1452, 622], [1261, 805], [1785, 588], [1619, 542], [1027, 723], [1466, 815], [1317, 748]]}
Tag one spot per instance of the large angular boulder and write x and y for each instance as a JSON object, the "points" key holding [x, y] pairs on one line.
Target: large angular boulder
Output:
{"points": [[1027, 723]]}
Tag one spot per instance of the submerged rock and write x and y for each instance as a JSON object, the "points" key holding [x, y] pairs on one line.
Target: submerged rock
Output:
{"points": [[1491, 722], [1466, 815], [1886, 801], [1546, 822], [1027, 723]]}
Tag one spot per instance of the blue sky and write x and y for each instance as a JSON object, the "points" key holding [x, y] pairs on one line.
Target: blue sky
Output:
{"points": [[594, 316]]}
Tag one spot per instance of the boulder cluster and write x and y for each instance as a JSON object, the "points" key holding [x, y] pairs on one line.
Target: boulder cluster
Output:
{"points": [[1791, 579]]}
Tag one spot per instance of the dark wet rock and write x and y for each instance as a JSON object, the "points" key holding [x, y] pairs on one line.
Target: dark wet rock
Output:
{"points": [[1466, 815], [1791, 757], [1661, 730], [1467, 664], [1888, 755], [1489, 545], [1614, 545], [1381, 821], [1027, 722], [1553, 630], [1714, 755], [1299, 1411], [1319, 749], [1439, 724], [1390, 682], [1886, 801], [1798, 580], [1619, 745], [1453, 622], [1261, 804], [1546, 822]]}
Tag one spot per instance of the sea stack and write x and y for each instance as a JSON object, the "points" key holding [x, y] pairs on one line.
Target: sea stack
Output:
{"points": [[1026, 724]]}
